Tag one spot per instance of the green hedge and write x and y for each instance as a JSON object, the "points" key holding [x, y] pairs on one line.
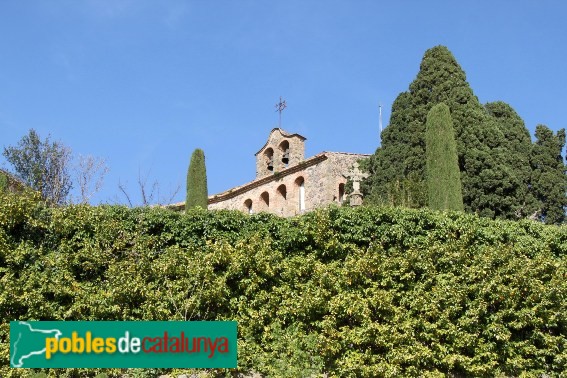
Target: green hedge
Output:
{"points": [[363, 292]]}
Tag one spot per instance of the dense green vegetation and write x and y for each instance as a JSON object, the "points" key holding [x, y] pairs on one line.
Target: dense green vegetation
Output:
{"points": [[197, 193], [3, 182], [514, 151], [362, 292], [549, 181], [493, 145], [443, 176]]}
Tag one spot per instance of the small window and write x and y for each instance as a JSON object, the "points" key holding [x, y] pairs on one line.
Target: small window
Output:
{"points": [[265, 198], [284, 147], [282, 191], [248, 206], [341, 193], [269, 156], [300, 183]]}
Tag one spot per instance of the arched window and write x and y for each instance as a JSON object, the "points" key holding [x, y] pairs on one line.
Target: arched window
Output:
{"points": [[265, 198], [300, 184], [248, 206], [341, 193], [269, 156], [284, 147], [282, 191]]}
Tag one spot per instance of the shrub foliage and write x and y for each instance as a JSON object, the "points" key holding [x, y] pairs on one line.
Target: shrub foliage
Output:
{"points": [[361, 292]]}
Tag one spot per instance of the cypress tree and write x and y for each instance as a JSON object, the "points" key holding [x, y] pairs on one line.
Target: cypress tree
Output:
{"points": [[481, 147], [514, 153], [393, 180], [549, 182], [443, 176], [197, 194], [400, 158]]}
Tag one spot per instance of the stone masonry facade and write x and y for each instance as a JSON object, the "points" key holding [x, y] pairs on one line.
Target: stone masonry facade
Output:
{"points": [[286, 183]]}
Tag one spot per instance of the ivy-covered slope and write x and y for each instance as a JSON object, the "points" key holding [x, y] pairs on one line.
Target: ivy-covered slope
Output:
{"points": [[363, 292]]}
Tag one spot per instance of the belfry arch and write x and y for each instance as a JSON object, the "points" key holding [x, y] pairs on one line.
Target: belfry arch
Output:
{"points": [[281, 151]]}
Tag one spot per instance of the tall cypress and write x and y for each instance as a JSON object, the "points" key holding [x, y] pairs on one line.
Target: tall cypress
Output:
{"points": [[481, 147], [196, 181], [549, 182], [442, 167]]}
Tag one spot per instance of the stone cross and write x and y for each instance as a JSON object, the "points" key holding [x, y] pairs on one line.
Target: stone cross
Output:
{"points": [[356, 175]]}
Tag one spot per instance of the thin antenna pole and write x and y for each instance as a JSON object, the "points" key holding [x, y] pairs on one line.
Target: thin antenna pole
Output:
{"points": [[380, 110]]}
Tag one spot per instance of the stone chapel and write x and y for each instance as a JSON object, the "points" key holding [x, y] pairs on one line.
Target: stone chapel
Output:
{"points": [[286, 182]]}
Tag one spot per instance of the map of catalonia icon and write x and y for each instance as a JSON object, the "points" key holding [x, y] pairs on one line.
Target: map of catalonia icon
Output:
{"points": [[29, 343]]}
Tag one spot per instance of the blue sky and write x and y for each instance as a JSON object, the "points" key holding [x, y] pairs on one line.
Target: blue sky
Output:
{"points": [[144, 83]]}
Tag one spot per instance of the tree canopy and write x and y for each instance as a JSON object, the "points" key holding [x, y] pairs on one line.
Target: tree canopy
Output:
{"points": [[492, 142], [43, 165], [549, 182]]}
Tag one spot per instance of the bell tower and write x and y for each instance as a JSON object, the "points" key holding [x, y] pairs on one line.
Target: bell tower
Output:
{"points": [[281, 151]]}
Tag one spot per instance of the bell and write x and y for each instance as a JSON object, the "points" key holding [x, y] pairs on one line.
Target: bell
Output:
{"points": [[285, 158], [271, 163]]}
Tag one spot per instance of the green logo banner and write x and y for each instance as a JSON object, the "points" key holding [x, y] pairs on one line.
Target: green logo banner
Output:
{"points": [[115, 344]]}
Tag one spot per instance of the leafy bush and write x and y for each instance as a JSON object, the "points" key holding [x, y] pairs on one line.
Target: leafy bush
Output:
{"points": [[3, 182], [359, 292]]}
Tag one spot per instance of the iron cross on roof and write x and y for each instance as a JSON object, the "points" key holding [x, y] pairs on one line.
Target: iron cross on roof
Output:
{"points": [[280, 106]]}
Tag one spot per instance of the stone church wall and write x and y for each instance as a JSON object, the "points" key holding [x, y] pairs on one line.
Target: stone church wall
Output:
{"points": [[286, 183], [279, 193]]}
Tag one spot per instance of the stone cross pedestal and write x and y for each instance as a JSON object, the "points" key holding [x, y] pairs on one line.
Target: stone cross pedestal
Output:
{"points": [[356, 175]]}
